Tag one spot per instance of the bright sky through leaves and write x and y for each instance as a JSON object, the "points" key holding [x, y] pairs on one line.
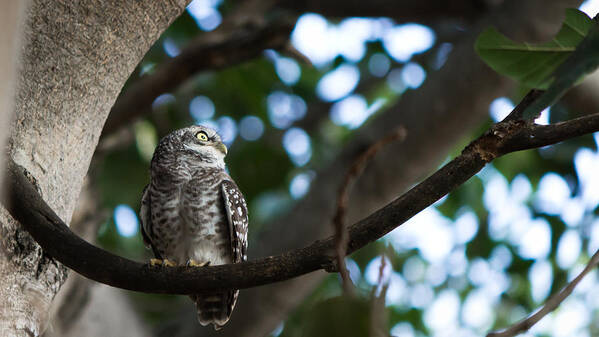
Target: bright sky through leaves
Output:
{"points": [[125, 220], [205, 13]]}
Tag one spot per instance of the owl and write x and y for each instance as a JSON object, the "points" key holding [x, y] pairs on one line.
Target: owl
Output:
{"points": [[193, 214]]}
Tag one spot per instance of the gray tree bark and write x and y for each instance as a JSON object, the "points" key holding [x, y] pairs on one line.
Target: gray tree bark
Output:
{"points": [[76, 57], [11, 17], [109, 313]]}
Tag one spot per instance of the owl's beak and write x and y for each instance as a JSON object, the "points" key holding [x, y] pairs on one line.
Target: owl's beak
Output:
{"points": [[222, 148]]}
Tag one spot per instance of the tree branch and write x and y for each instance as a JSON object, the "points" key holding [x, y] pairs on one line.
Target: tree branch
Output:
{"points": [[236, 41], [379, 319], [25, 205], [341, 236], [551, 304]]}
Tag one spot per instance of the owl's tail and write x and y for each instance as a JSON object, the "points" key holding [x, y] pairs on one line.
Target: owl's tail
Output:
{"points": [[215, 308]]}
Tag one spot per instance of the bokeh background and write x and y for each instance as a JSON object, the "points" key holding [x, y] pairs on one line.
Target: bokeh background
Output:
{"points": [[479, 259]]}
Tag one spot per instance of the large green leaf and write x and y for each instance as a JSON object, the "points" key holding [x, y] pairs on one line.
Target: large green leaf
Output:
{"points": [[532, 64]]}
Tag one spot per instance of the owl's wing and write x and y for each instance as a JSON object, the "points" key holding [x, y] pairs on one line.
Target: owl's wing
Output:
{"points": [[237, 216], [145, 215]]}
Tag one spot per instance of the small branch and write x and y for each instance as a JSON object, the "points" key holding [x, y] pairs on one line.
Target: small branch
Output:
{"points": [[381, 281], [378, 314], [550, 305], [341, 236], [232, 43], [292, 52], [543, 135], [25, 205], [530, 97]]}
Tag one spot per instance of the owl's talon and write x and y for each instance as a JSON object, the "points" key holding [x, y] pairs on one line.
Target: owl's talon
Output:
{"points": [[169, 263], [194, 263], [155, 262]]}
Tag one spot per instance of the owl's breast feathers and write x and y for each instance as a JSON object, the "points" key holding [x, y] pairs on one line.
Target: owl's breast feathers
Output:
{"points": [[184, 217]]}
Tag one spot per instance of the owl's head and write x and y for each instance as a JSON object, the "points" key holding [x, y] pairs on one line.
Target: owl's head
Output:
{"points": [[201, 145]]}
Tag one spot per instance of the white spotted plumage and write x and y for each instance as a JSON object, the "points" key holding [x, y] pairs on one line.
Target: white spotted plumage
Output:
{"points": [[193, 211]]}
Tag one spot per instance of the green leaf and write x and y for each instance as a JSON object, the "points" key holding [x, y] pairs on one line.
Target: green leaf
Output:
{"points": [[583, 61], [532, 64]]}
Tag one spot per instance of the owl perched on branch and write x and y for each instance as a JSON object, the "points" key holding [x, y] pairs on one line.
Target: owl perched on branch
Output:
{"points": [[193, 214]]}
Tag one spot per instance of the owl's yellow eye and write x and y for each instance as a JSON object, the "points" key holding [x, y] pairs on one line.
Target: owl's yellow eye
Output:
{"points": [[202, 136]]}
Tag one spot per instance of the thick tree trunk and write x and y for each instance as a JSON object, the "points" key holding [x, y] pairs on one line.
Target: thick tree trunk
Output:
{"points": [[106, 312], [76, 57], [11, 17]]}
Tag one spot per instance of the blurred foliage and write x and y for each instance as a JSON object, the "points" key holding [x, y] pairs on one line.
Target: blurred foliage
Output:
{"points": [[335, 317], [264, 170]]}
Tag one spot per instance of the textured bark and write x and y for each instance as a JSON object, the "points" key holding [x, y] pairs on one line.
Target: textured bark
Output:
{"points": [[70, 306], [441, 113], [76, 57], [108, 313], [11, 17]]}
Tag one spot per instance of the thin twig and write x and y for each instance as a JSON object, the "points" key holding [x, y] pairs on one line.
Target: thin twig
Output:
{"points": [[341, 237], [552, 303], [378, 315], [530, 97], [381, 281]]}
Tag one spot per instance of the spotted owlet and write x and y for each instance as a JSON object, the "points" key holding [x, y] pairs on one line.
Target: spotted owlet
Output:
{"points": [[193, 214]]}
